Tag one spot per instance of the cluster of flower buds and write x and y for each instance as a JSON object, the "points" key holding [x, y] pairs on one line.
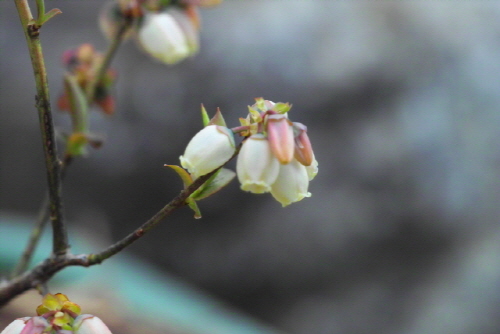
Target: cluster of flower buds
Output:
{"points": [[165, 29], [57, 315], [276, 156], [82, 63]]}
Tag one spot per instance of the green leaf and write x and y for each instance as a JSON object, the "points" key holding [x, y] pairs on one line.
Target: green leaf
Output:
{"points": [[192, 204], [76, 144], [214, 184], [78, 104], [184, 175], [50, 14]]}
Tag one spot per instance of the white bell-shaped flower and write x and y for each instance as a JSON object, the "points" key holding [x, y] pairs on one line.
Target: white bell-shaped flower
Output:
{"points": [[312, 169], [169, 36], [257, 167], [209, 149], [89, 324], [292, 183]]}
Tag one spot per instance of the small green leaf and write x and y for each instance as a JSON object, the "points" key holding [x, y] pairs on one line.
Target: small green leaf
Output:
{"points": [[192, 204], [78, 104], [204, 116], [50, 14], [184, 175], [218, 181], [76, 144]]}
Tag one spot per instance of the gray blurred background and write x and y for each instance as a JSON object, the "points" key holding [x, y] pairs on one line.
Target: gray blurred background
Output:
{"points": [[402, 102]]}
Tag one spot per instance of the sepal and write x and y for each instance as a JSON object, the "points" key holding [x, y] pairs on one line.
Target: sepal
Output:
{"points": [[89, 324], [215, 183], [218, 119], [183, 174], [204, 115]]}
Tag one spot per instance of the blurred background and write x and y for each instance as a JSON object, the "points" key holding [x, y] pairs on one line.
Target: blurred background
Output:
{"points": [[401, 234]]}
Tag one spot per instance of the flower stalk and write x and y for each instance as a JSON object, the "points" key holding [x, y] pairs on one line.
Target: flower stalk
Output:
{"points": [[108, 57]]}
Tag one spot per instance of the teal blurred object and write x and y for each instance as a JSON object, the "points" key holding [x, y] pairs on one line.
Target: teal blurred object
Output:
{"points": [[142, 288]]}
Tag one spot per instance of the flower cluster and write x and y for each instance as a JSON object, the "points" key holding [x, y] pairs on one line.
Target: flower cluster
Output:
{"points": [[166, 30], [57, 315], [276, 155]]}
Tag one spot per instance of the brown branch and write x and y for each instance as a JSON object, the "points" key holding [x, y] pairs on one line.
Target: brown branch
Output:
{"points": [[32, 34], [36, 232], [48, 268]]}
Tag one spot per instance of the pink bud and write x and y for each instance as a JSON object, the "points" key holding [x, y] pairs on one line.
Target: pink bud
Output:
{"points": [[35, 325], [280, 136], [303, 149]]}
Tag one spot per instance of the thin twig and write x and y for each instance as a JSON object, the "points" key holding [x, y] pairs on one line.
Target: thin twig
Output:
{"points": [[32, 32], [36, 232], [176, 203], [44, 213], [49, 267], [106, 61]]}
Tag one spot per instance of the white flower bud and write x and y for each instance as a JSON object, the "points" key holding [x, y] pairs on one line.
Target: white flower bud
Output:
{"points": [[291, 184], [27, 325], [209, 149], [16, 326], [169, 36], [257, 167], [89, 324]]}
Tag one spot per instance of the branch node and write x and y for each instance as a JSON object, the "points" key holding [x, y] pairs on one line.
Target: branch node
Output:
{"points": [[33, 30]]}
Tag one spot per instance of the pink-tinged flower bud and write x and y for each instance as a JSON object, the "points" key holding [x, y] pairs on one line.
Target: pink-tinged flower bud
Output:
{"points": [[36, 325], [291, 184], [257, 167], [89, 324], [27, 325], [169, 36], [280, 136], [312, 169], [209, 149], [16, 326], [303, 149]]}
